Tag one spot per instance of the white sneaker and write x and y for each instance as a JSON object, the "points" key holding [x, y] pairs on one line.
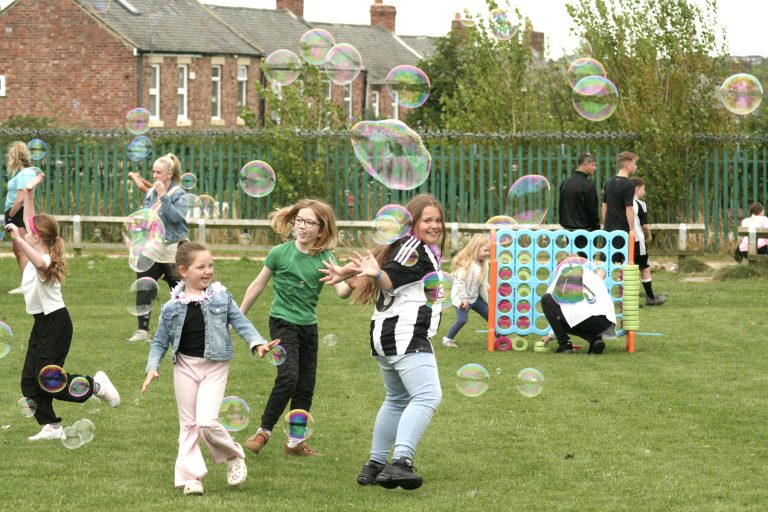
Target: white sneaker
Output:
{"points": [[16, 291], [194, 488], [107, 390], [449, 343], [140, 335], [48, 432]]}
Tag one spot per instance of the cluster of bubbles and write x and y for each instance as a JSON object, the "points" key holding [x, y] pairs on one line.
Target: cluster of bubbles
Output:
{"points": [[392, 153], [473, 380], [234, 413], [298, 425], [341, 62], [137, 124], [594, 96], [500, 23], [80, 433], [144, 234]]}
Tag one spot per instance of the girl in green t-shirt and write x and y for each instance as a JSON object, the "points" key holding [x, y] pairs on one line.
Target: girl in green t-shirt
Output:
{"points": [[294, 265]]}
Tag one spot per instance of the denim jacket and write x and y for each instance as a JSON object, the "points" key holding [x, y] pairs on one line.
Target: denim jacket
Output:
{"points": [[219, 311], [172, 212]]}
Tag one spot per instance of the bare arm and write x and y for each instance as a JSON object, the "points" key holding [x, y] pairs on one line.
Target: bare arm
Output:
{"points": [[29, 198], [140, 182], [631, 218], [605, 210], [28, 253], [255, 289]]}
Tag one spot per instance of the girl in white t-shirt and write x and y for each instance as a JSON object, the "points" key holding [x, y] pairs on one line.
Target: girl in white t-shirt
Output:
{"points": [[756, 219], [42, 258], [470, 287]]}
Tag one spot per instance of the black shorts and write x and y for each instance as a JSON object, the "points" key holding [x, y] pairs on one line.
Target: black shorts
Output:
{"points": [[17, 220], [641, 260]]}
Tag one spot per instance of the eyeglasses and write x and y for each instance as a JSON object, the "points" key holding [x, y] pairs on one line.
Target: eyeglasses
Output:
{"points": [[307, 222]]}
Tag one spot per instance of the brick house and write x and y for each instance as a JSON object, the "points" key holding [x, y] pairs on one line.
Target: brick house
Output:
{"points": [[191, 65], [63, 60]]}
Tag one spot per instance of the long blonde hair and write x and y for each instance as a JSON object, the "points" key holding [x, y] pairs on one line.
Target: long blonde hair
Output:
{"points": [[172, 163], [19, 157], [468, 255], [282, 223], [365, 291], [47, 229]]}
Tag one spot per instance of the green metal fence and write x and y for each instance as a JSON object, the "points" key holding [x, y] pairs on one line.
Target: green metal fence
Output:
{"points": [[470, 176]]}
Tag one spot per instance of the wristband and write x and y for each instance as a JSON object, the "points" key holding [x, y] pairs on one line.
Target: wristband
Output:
{"points": [[378, 276]]}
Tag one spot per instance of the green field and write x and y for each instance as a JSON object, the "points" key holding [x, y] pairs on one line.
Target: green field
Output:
{"points": [[678, 425]]}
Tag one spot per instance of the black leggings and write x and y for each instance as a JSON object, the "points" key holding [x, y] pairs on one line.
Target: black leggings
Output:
{"points": [[49, 344], [165, 270], [590, 329], [295, 381]]}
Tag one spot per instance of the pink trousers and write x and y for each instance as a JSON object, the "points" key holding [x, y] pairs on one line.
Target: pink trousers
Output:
{"points": [[200, 385]]}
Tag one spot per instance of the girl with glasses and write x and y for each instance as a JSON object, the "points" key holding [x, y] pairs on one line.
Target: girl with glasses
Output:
{"points": [[294, 266]]}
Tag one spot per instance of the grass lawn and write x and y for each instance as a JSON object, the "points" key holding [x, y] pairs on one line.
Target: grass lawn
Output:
{"points": [[678, 425]]}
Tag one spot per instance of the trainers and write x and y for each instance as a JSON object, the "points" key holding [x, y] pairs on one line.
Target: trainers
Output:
{"points": [[301, 450], [237, 471], [449, 343], [400, 472], [48, 432], [257, 441], [596, 347], [370, 471], [107, 390], [193, 488], [140, 335], [15, 291], [564, 348], [657, 300]]}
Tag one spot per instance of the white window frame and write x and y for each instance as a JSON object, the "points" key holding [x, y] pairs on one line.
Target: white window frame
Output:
{"points": [[182, 92], [329, 90], [348, 94], [242, 86], [395, 105], [154, 92], [2, 85], [375, 103], [216, 91]]}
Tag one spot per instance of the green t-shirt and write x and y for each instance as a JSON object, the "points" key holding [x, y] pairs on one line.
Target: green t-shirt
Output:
{"points": [[296, 283]]}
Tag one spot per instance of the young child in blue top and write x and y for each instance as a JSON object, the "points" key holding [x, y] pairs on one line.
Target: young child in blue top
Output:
{"points": [[295, 267], [19, 168], [194, 325]]}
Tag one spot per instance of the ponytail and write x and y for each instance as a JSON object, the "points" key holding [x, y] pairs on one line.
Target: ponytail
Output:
{"points": [[47, 229]]}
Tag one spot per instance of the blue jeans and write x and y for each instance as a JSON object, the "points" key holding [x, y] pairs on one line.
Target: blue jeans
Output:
{"points": [[413, 393], [480, 306]]}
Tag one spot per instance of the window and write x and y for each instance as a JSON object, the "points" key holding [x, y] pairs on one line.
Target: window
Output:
{"points": [[375, 103], [275, 114], [182, 92], [395, 105], [242, 86], [154, 91], [348, 99], [2, 85], [216, 92]]}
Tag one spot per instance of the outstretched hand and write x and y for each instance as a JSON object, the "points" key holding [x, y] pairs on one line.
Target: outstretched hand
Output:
{"points": [[263, 350], [335, 274], [13, 229], [366, 266], [31, 184]]}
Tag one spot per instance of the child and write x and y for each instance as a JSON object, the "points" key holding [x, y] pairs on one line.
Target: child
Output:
{"points": [[470, 271], [42, 255], [642, 237], [295, 266], [402, 325], [19, 167], [166, 197], [194, 324], [577, 302], [756, 219]]}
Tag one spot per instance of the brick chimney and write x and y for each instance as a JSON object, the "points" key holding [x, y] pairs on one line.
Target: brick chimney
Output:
{"points": [[383, 15], [457, 27], [537, 42], [295, 6]]}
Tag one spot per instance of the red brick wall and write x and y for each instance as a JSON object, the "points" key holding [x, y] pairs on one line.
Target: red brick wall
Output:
{"points": [[295, 6], [53, 53]]}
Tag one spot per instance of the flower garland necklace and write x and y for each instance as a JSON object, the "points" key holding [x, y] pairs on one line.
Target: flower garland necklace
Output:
{"points": [[179, 295]]}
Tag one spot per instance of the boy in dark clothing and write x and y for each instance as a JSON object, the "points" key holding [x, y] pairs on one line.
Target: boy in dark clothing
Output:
{"points": [[578, 197]]}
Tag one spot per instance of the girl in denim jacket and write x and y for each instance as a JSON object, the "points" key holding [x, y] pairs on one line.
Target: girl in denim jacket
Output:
{"points": [[167, 199], [194, 324]]}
